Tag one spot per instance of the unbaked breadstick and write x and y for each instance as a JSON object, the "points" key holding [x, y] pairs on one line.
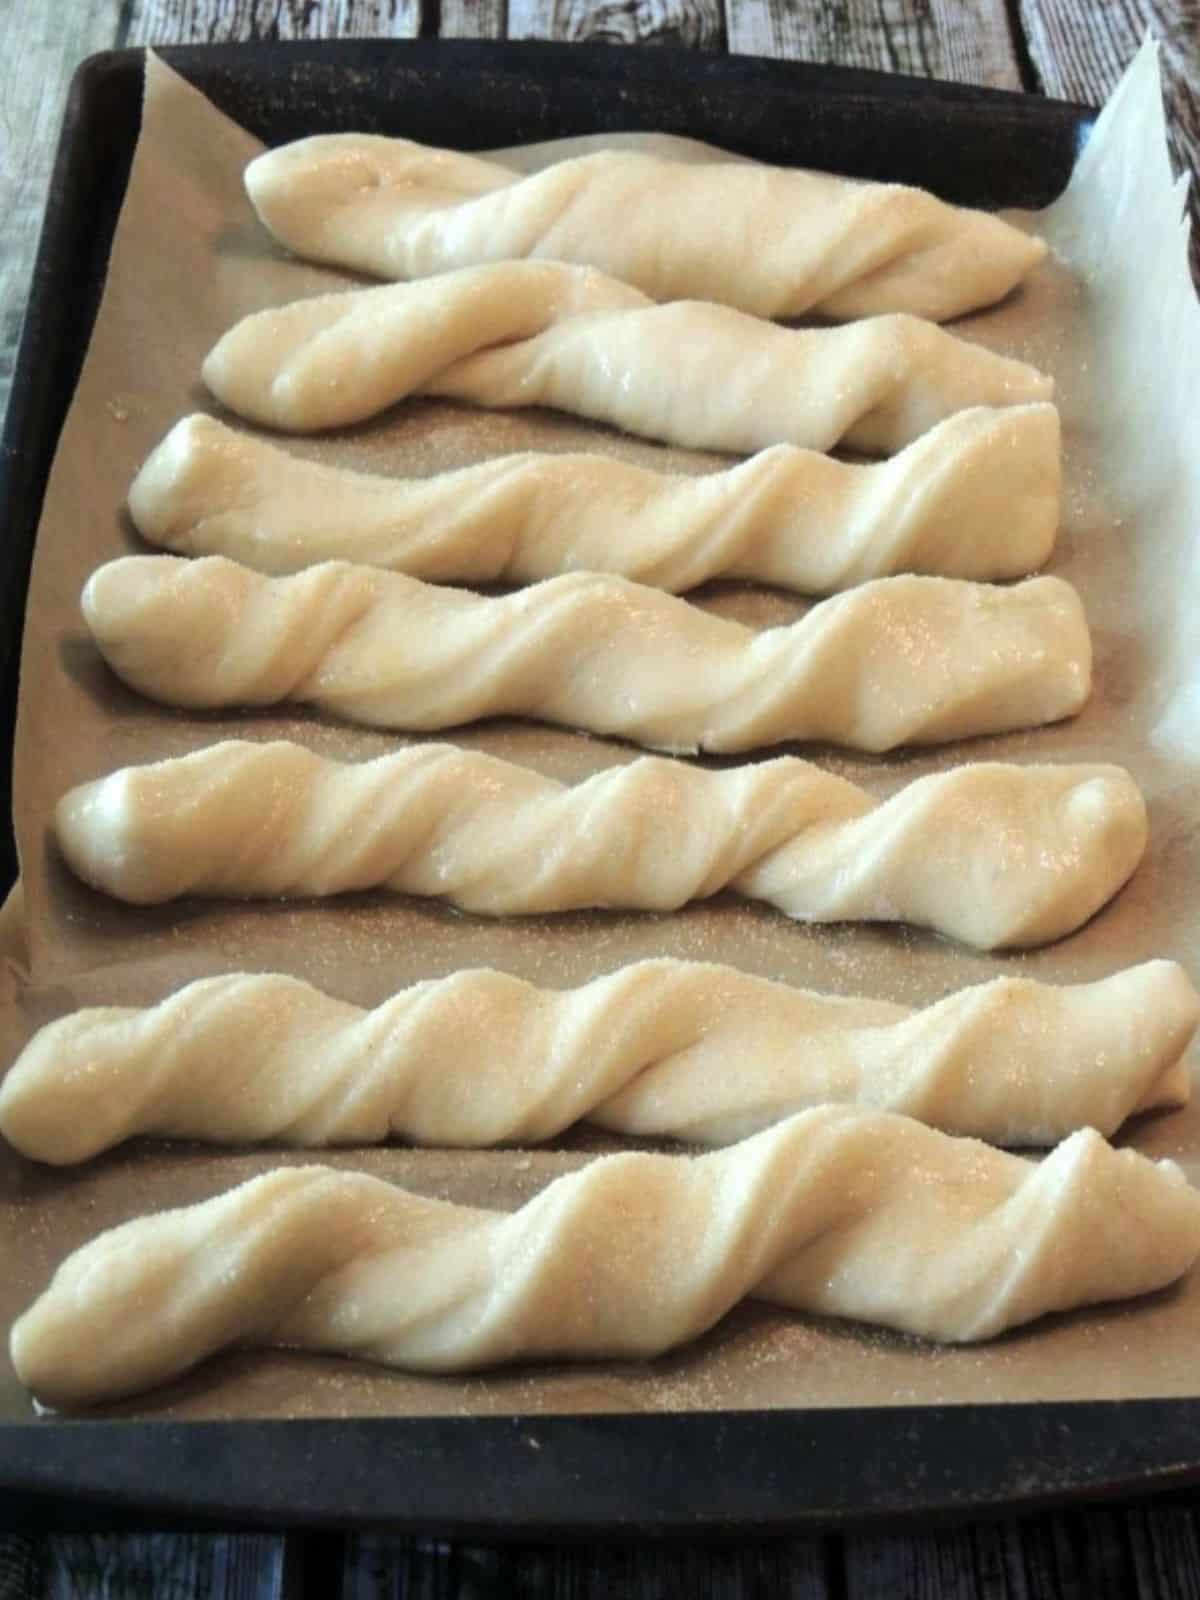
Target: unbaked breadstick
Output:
{"points": [[536, 333], [898, 661], [991, 854], [975, 497], [675, 1049], [844, 1212], [773, 241]]}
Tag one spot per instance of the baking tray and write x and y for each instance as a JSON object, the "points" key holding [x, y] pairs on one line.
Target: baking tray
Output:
{"points": [[746, 1470]]}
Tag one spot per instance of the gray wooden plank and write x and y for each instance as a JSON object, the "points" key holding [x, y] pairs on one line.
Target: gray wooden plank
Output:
{"points": [[163, 1567], [22, 1567], [1079, 49], [213, 21], [382, 1568], [696, 23], [982, 1562], [1165, 1542], [40, 47], [473, 19], [966, 41], [1081, 1554]]}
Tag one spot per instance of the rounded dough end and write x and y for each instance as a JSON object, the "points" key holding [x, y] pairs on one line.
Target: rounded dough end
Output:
{"points": [[1103, 1224], [180, 479], [1006, 481], [1100, 832]]}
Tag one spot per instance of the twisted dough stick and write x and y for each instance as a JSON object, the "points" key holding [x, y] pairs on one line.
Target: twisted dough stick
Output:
{"points": [[528, 333], [898, 661], [846, 1212], [661, 1048], [772, 241], [975, 497], [991, 854]]}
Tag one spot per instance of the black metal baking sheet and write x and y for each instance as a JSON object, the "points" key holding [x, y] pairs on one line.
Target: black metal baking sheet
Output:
{"points": [[719, 1471]]}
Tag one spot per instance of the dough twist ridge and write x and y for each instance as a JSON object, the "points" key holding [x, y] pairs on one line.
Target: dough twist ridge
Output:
{"points": [[530, 333], [658, 1049], [772, 241], [975, 497], [898, 661], [839, 1211], [991, 854]]}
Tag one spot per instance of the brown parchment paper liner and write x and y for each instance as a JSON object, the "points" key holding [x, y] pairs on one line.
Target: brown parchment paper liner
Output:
{"points": [[1113, 318]]}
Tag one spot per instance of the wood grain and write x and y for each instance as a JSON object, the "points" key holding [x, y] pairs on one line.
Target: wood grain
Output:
{"points": [[1084, 1553], [968, 42], [695, 23], [1079, 50], [215, 21], [982, 1563], [40, 48], [22, 1566], [156, 1566], [1165, 1546], [398, 1569], [472, 19]]}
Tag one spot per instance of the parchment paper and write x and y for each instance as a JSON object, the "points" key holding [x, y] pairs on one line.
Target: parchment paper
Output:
{"points": [[1113, 318]]}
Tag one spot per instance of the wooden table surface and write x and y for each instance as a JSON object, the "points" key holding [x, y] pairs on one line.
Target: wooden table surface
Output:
{"points": [[1066, 48]]}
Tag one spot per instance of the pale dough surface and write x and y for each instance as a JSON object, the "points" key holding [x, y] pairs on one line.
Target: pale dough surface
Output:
{"points": [[975, 497], [898, 661], [686, 1050], [773, 241], [841, 1211], [537, 333], [992, 854]]}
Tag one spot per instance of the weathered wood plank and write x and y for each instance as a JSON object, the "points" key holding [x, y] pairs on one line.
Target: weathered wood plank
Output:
{"points": [[40, 47], [472, 19], [213, 21], [1165, 1541], [966, 41], [970, 1563], [1093, 1554], [409, 1569], [215, 1566], [22, 1566], [696, 23], [1080, 1555], [1079, 50]]}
